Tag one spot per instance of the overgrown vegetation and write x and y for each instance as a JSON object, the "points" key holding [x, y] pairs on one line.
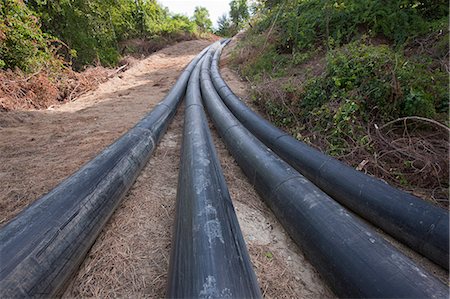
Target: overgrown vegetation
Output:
{"points": [[42, 42], [86, 32], [334, 72], [306, 24], [201, 19], [238, 16], [23, 45]]}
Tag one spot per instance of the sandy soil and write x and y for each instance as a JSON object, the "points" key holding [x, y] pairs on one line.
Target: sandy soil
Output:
{"points": [[38, 149], [140, 231]]}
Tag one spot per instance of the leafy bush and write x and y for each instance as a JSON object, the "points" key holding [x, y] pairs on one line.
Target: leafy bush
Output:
{"points": [[94, 28], [201, 19], [384, 83], [361, 83], [22, 43], [341, 75], [366, 74], [82, 32], [225, 26], [418, 103], [86, 26], [311, 23]]}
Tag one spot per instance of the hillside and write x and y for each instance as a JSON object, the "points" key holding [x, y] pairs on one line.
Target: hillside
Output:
{"points": [[364, 81]]}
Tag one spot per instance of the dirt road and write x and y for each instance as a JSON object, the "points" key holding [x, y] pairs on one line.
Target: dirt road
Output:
{"points": [[38, 149]]}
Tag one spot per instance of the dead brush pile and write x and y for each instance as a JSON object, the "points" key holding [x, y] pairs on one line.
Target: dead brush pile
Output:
{"points": [[40, 90]]}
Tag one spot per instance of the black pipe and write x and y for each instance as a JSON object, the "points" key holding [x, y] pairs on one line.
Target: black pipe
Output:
{"points": [[422, 226], [350, 256], [209, 257], [42, 247]]}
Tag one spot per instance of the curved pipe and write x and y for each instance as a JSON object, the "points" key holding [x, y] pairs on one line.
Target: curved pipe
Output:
{"points": [[209, 257], [44, 245], [414, 222], [354, 260]]}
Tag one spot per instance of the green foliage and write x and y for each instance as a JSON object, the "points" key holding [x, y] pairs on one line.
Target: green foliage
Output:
{"points": [[263, 59], [383, 83], [361, 83], [347, 68], [311, 23], [201, 18], [418, 103], [365, 73], [269, 255], [22, 43], [239, 12], [94, 28], [301, 57], [224, 25], [267, 62], [84, 26], [178, 25]]}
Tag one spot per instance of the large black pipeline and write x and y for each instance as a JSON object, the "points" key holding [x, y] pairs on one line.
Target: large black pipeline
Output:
{"points": [[354, 260], [419, 224], [209, 257], [43, 246]]}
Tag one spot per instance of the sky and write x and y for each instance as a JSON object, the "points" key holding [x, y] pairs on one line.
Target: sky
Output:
{"points": [[216, 8]]}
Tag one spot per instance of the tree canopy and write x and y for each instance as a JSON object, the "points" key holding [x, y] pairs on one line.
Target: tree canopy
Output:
{"points": [[239, 14], [224, 26], [85, 31], [201, 18]]}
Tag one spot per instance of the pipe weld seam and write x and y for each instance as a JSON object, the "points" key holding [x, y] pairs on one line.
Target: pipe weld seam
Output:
{"points": [[222, 88], [194, 104], [283, 182], [423, 242], [164, 104], [227, 130], [282, 135]]}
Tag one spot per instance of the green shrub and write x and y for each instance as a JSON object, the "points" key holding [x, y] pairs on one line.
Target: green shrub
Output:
{"points": [[23, 45], [308, 24], [384, 83], [364, 73], [418, 103], [94, 28], [361, 83], [384, 60]]}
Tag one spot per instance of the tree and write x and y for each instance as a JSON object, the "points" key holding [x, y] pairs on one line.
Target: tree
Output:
{"points": [[201, 18], [239, 13], [23, 45], [224, 26], [94, 28]]}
